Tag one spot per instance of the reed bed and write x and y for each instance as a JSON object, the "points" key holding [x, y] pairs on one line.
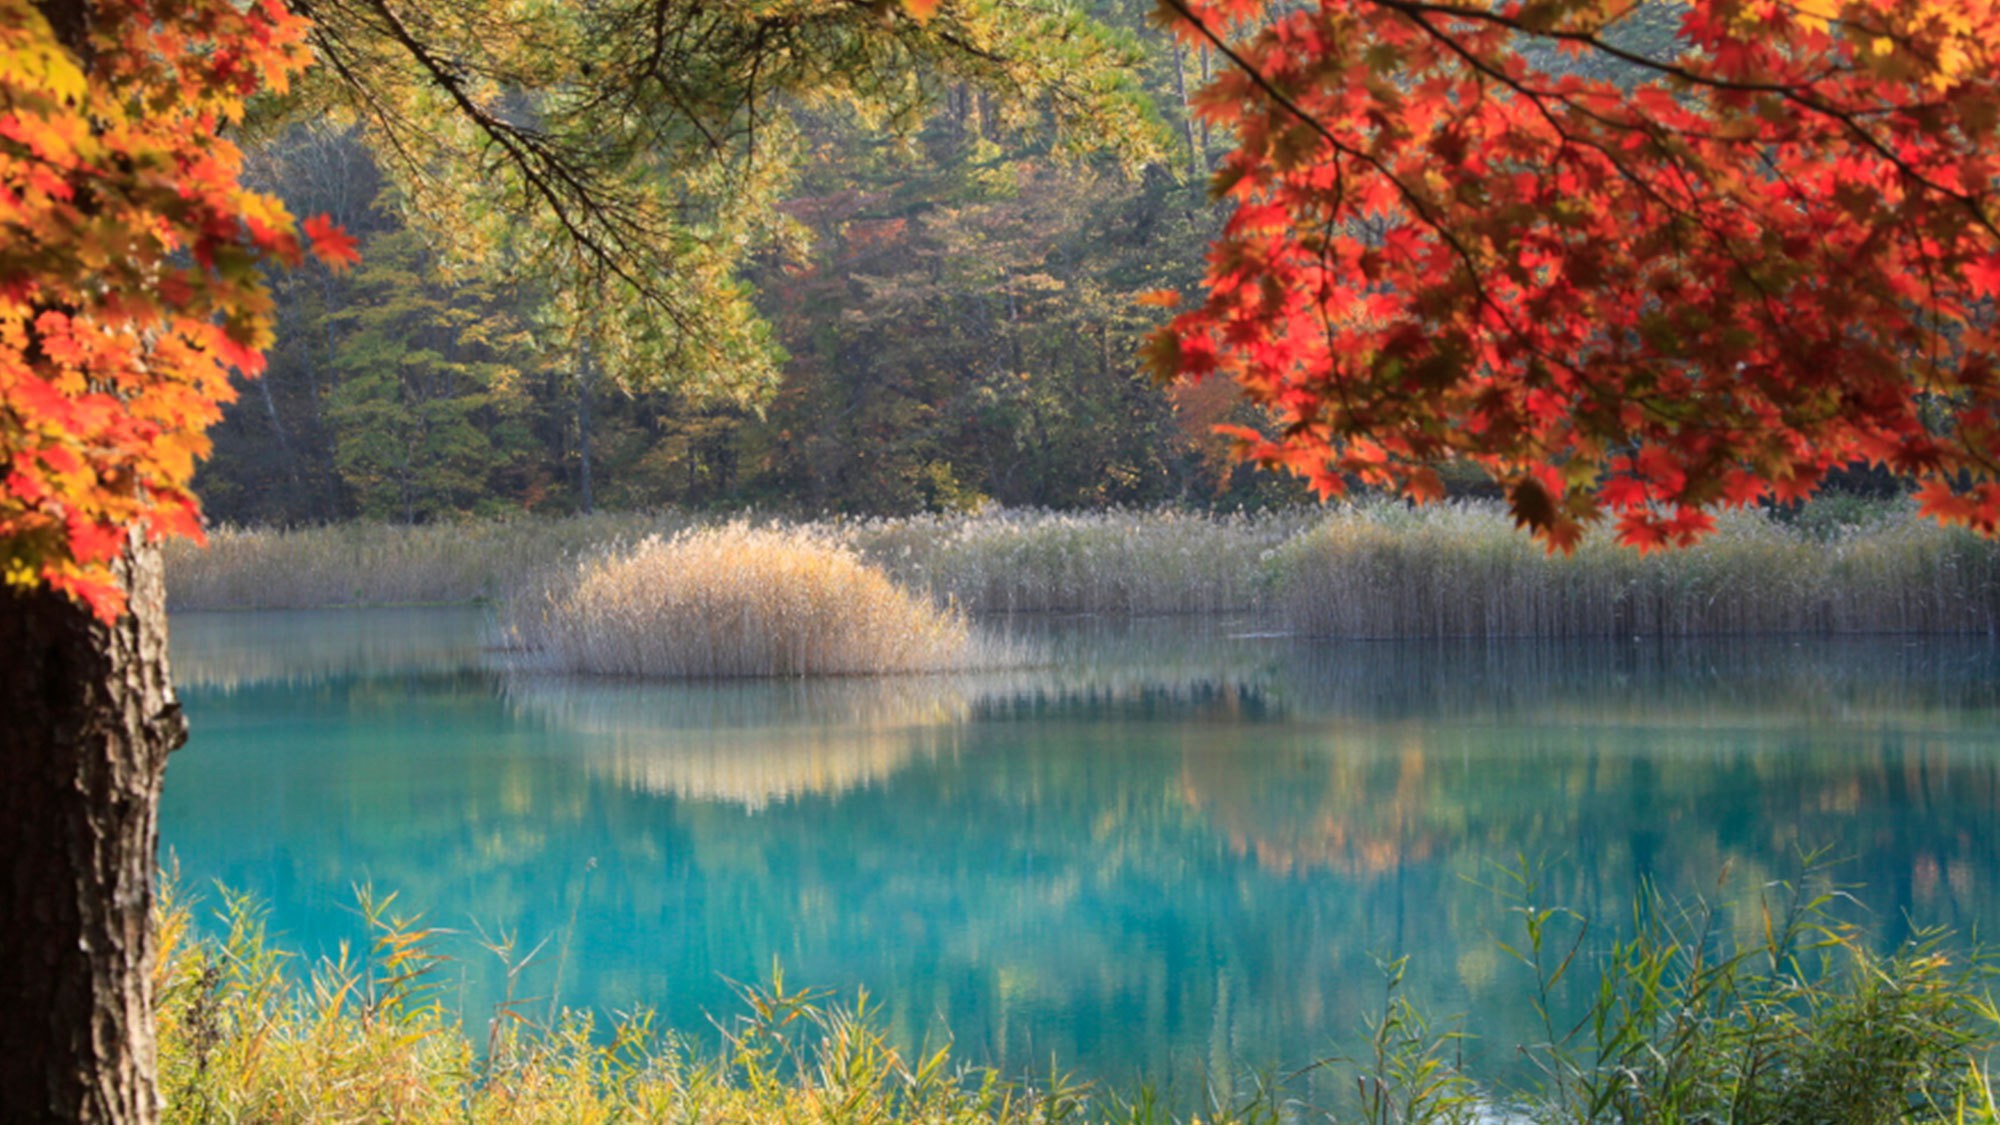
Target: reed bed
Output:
{"points": [[992, 561], [1118, 562], [389, 564], [1464, 570], [739, 600], [1371, 570]]}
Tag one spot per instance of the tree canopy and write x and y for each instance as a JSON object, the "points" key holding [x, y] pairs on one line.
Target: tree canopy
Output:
{"points": [[129, 283], [629, 156], [625, 158], [1628, 274]]}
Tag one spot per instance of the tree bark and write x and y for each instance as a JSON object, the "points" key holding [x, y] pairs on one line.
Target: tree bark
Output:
{"points": [[87, 719], [586, 374]]}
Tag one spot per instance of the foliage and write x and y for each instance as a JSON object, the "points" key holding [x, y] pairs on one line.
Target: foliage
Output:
{"points": [[431, 416], [965, 328], [1628, 274], [1785, 1016], [956, 322], [628, 156], [128, 277]]}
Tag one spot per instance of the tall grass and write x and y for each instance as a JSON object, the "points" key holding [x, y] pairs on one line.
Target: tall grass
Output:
{"points": [[994, 561], [388, 564], [1367, 570], [1122, 562], [246, 1035], [1776, 1011], [739, 600], [1778, 1015], [1463, 570]]}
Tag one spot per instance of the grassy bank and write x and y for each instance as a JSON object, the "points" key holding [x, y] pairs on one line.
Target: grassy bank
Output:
{"points": [[245, 1036], [1374, 570], [1802, 1022]]}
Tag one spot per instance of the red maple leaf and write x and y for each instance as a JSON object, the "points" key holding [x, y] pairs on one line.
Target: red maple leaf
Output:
{"points": [[1984, 275], [331, 244]]}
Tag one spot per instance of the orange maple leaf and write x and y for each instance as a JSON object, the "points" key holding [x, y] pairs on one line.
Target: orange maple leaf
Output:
{"points": [[332, 244]]}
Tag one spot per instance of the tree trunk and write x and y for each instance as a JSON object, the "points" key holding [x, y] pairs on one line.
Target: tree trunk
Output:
{"points": [[89, 718], [1196, 151], [585, 375]]}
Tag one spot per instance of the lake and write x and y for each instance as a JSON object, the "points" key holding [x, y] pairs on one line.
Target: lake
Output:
{"points": [[1181, 850]]}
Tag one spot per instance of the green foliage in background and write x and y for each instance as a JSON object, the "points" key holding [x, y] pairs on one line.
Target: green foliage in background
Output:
{"points": [[898, 276], [431, 416]]}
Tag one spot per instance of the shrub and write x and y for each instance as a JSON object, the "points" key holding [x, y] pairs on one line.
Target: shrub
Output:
{"points": [[739, 600]]}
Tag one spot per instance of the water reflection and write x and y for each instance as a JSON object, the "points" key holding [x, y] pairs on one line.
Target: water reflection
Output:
{"points": [[753, 742], [225, 651], [1945, 681], [1171, 849], [748, 743]]}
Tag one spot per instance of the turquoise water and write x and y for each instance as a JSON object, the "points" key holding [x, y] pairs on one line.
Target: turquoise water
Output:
{"points": [[1179, 851]]}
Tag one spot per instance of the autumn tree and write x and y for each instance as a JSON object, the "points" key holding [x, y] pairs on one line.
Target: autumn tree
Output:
{"points": [[622, 152], [129, 289], [1633, 259]]}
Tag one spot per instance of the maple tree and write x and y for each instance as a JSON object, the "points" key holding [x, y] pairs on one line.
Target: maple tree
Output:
{"points": [[129, 284], [623, 151], [1631, 281], [129, 289]]}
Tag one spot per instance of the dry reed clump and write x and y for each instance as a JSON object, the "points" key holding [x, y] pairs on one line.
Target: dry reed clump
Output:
{"points": [[739, 600], [1464, 570]]}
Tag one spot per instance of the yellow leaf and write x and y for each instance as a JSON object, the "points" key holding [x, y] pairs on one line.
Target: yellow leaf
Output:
{"points": [[1817, 14], [29, 54]]}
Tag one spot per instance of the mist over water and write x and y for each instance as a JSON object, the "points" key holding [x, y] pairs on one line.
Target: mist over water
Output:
{"points": [[1176, 848]]}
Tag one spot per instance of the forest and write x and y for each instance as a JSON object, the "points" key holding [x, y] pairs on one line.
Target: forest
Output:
{"points": [[953, 318]]}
